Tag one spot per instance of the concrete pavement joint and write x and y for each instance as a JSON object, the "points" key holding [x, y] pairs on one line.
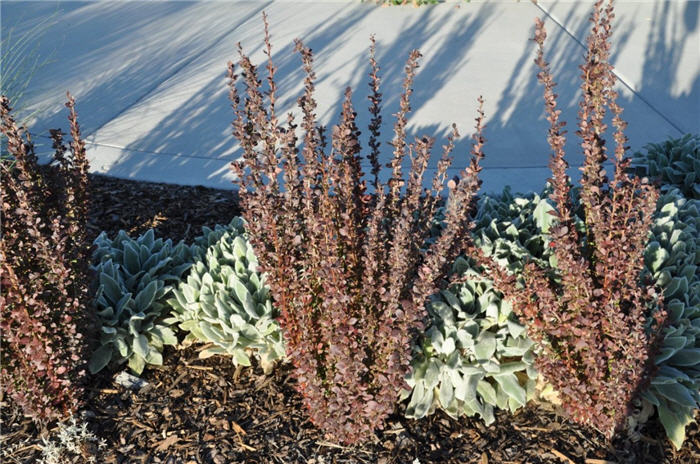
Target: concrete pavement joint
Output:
{"points": [[619, 77], [181, 155], [182, 66]]}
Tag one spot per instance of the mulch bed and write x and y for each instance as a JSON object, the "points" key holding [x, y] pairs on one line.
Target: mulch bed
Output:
{"points": [[204, 411], [173, 211]]}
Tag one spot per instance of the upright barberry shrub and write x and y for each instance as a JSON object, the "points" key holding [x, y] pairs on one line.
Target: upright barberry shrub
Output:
{"points": [[349, 271], [589, 316], [44, 255]]}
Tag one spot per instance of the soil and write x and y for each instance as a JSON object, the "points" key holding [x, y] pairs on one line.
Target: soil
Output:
{"points": [[205, 411]]}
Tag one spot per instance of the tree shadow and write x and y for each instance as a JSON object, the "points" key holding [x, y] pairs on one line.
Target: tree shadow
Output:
{"points": [[648, 86], [110, 55], [165, 115], [202, 147]]}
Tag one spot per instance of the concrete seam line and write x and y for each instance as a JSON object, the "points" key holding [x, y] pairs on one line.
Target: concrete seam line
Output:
{"points": [[617, 74], [228, 158], [182, 66]]}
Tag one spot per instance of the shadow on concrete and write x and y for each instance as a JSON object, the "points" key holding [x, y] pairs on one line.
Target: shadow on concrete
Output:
{"points": [[112, 54], [437, 67], [514, 155]]}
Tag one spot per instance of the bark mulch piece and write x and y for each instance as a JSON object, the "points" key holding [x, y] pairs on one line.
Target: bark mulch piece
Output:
{"points": [[205, 411]]}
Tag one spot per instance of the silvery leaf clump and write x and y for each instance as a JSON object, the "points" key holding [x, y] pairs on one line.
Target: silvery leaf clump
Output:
{"points": [[134, 277], [475, 355], [225, 301], [513, 229], [675, 163], [672, 258]]}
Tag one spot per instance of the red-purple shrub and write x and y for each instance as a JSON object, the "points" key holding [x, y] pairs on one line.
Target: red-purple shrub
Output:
{"points": [[44, 254], [350, 272], [589, 319]]}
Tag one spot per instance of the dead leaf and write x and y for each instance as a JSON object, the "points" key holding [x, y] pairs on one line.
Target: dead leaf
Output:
{"points": [[237, 428], [167, 443], [562, 456]]}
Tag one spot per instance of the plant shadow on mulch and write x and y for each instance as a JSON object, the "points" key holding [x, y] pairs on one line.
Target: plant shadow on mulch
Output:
{"points": [[173, 211], [203, 411]]}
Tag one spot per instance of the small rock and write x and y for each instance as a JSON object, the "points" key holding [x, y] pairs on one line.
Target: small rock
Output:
{"points": [[403, 441], [129, 381]]}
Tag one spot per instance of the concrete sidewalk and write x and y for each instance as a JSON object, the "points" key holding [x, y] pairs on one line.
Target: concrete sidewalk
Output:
{"points": [[149, 77]]}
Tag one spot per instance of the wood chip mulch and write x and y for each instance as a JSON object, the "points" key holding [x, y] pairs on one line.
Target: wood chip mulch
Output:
{"points": [[205, 411], [173, 211]]}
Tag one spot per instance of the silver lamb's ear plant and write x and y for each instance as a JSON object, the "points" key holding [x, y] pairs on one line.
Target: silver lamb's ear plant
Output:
{"points": [[476, 356], [672, 259], [675, 163], [134, 277], [513, 229], [225, 301]]}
